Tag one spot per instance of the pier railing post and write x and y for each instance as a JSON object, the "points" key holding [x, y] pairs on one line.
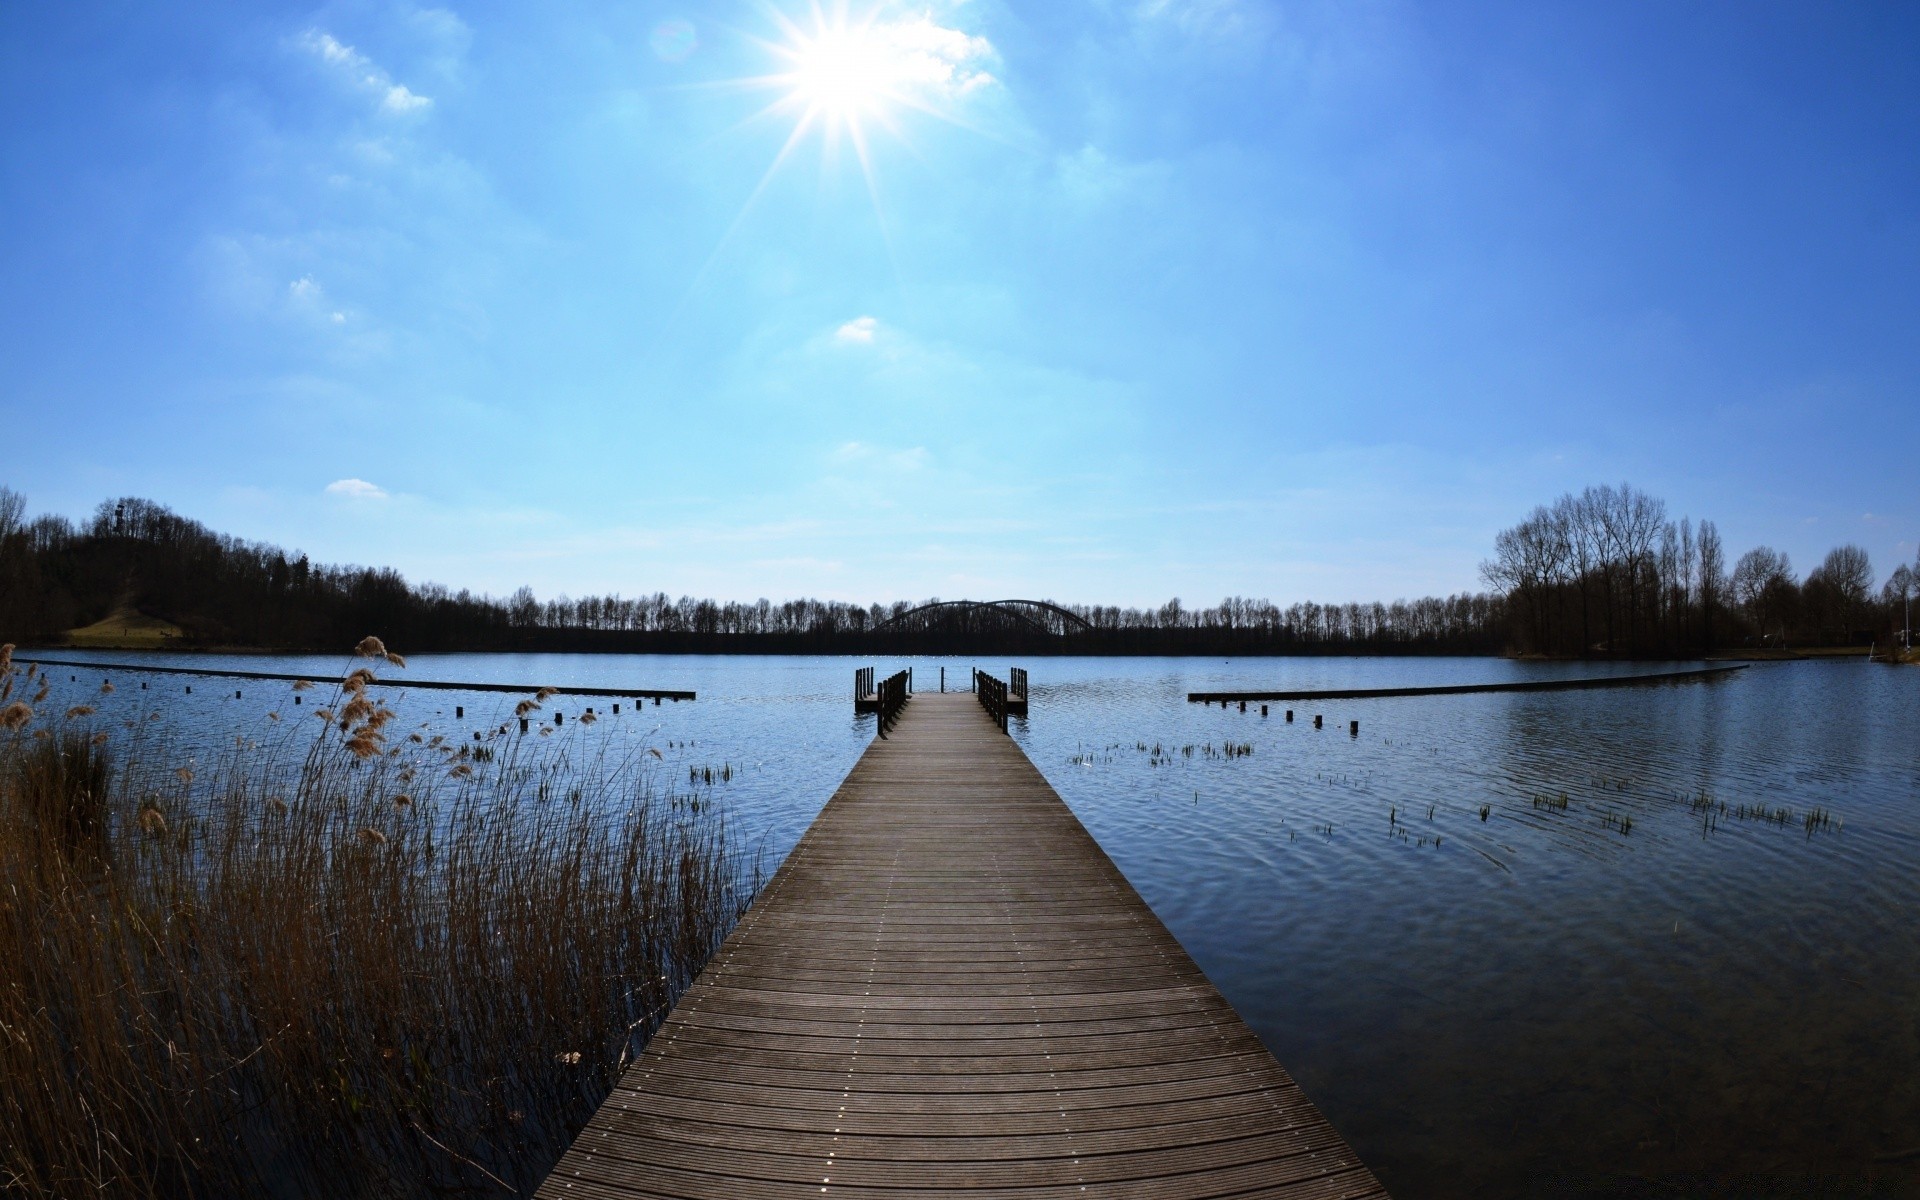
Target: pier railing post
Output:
{"points": [[892, 697], [993, 697]]}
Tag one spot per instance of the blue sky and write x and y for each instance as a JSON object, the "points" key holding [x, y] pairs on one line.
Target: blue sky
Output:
{"points": [[1125, 299]]}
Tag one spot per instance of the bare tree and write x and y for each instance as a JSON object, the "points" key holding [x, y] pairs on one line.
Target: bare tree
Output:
{"points": [[13, 511], [1898, 594], [1850, 573], [1834, 594], [1713, 579], [1762, 581]]}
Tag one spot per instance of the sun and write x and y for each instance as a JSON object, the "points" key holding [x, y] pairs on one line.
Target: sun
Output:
{"points": [[845, 74], [837, 78], [841, 73]]}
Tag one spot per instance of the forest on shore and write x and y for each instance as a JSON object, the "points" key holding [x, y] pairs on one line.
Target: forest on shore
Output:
{"points": [[1603, 574], [1607, 572]]}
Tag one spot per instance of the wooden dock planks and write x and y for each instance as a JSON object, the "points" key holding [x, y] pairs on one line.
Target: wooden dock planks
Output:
{"points": [[948, 989]]}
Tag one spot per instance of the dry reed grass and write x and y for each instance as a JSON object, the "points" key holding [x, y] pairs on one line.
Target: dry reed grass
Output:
{"points": [[347, 971]]}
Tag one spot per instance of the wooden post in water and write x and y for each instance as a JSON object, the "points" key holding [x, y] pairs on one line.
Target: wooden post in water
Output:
{"points": [[1353, 728], [1316, 720], [1289, 716], [459, 710]]}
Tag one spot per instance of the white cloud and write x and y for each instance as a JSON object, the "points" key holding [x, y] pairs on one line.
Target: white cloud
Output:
{"points": [[307, 299], [858, 331], [936, 58], [401, 99], [357, 489], [363, 72], [329, 48]]}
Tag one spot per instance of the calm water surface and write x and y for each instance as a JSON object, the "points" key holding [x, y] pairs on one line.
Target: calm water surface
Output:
{"points": [[1530, 944]]}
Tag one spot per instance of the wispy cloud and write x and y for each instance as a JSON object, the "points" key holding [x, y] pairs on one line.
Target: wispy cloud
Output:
{"points": [[867, 455], [308, 297], [1203, 18], [356, 489], [363, 73], [858, 331], [936, 58]]}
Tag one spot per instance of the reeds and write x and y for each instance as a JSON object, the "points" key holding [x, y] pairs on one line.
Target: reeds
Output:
{"points": [[1815, 820], [58, 792], [273, 977]]}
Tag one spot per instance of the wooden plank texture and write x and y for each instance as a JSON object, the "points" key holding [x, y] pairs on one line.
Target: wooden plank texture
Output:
{"points": [[948, 989]]}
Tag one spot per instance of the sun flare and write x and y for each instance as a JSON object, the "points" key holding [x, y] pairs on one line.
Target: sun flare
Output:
{"points": [[845, 73], [839, 78]]}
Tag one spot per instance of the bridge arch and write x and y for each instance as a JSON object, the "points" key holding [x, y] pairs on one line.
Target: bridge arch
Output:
{"points": [[981, 616]]}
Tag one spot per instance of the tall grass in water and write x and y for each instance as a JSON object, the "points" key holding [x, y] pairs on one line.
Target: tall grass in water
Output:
{"points": [[348, 971]]}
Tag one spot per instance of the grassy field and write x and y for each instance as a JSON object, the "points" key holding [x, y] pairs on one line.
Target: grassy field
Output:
{"points": [[1789, 653], [125, 629]]}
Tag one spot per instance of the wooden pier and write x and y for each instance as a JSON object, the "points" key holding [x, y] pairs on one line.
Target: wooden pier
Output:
{"points": [[949, 990]]}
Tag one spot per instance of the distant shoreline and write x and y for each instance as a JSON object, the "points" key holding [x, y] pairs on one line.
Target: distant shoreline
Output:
{"points": [[715, 645]]}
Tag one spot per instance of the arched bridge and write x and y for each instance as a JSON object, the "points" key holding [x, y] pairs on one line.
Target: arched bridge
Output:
{"points": [[986, 616]]}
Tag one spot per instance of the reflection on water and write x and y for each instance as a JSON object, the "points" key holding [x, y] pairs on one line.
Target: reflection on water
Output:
{"points": [[1660, 941], [1501, 940]]}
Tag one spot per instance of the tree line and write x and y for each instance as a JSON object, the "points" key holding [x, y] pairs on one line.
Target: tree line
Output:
{"points": [[134, 554], [1606, 572]]}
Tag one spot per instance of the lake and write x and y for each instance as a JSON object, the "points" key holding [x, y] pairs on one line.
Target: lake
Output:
{"points": [[1650, 941]]}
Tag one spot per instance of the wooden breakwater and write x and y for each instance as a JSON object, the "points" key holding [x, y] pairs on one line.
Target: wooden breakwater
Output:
{"points": [[1461, 689], [425, 684]]}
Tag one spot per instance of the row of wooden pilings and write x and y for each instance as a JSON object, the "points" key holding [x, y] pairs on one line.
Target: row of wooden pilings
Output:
{"points": [[1353, 727]]}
